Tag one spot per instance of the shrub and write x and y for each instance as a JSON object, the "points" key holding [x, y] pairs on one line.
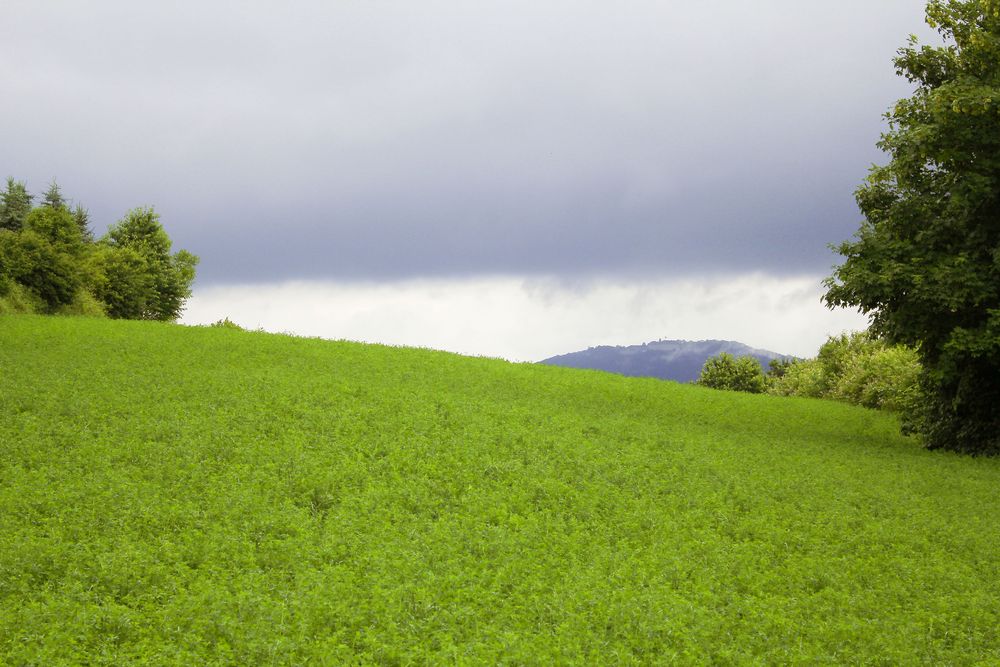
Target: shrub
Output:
{"points": [[777, 368], [84, 304], [733, 373], [17, 299], [881, 376], [802, 378], [858, 369], [226, 323]]}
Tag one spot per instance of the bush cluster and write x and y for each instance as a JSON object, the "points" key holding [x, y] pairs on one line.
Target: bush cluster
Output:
{"points": [[859, 369], [725, 371], [855, 368], [50, 262]]}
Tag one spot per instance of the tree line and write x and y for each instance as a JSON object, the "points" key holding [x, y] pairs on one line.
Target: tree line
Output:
{"points": [[51, 263]]}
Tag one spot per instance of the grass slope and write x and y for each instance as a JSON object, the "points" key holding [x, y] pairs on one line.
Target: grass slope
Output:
{"points": [[179, 495]]}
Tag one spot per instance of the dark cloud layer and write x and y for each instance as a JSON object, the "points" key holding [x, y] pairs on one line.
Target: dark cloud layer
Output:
{"points": [[373, 140]]}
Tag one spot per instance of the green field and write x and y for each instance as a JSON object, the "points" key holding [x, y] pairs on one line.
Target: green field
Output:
{"points": [[180, 495]]}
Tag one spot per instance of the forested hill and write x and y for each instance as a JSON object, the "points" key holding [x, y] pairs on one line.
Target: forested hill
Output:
{"points": [[679, 360]]}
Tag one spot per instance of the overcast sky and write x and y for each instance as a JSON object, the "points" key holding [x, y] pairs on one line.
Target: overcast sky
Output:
{"points": [[333, 146]]}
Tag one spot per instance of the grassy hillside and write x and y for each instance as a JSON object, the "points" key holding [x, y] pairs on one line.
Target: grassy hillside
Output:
{"points": [[203, 495]]}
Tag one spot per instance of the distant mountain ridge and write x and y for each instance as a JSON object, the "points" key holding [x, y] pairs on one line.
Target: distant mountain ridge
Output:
{"points": [[678, 360]]}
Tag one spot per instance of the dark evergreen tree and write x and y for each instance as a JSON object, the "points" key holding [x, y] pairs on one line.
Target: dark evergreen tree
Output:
{"points": [[82, 217], [53, 196], [15, 204]]}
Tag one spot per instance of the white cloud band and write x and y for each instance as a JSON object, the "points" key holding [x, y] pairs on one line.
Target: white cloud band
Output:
{"points": [[528, 318]]}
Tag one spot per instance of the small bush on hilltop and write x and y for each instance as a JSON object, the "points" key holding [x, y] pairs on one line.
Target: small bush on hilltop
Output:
{"points": [[725, 371], [226, 323]]}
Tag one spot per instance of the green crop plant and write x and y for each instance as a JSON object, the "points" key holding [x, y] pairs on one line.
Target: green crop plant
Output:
{"points": [[203, 495]]}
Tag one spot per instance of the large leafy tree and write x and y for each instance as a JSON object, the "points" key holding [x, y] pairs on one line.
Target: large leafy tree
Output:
{"points": [[142, 279], [925, 265], [46, 256], [122, 282]]}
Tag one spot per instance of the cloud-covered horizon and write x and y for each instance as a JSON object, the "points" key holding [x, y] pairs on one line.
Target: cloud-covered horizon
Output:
{"points": [[530, 319], [383, 141]]}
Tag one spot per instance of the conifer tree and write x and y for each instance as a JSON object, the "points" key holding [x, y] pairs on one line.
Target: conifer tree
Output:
{"points": [[15, 204], [53, 196], [82, 217]]}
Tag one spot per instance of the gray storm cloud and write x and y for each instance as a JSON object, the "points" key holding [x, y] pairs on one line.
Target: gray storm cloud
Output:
{"points": [[378, 140]]}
